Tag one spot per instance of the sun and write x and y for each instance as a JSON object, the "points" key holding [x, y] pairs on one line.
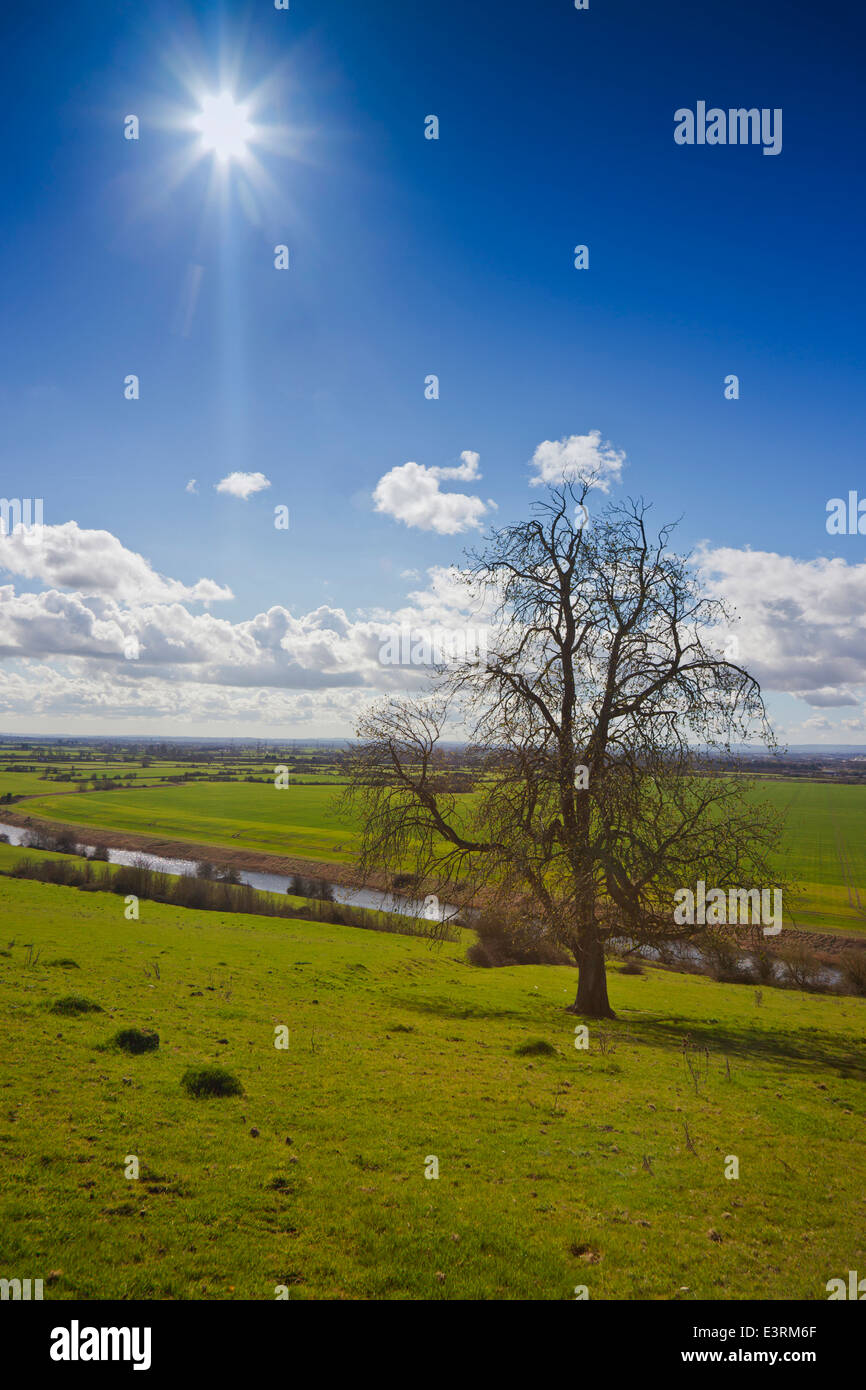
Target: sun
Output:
{"points": [[229, 141], [224, 126]]}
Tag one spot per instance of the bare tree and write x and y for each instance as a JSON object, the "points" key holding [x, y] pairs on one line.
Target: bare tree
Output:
{"points": [[602, 726]]}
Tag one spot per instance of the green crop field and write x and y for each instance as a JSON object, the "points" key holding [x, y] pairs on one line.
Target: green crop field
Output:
{"points": [[602, 1168], [298, 820], [825, 851], [31, 784]]}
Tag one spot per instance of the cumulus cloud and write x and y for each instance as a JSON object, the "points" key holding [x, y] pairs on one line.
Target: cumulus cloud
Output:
{"points": [[579, 457], [192, 486], [410, 493], [243, 485], [95, 562], [802, 623], [108, 634], [449, 598], [466, 471], [123, 647], [128, 697]]}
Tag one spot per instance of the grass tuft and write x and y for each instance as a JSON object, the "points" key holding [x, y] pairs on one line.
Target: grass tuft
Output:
{"points": [[74, 1005], [135, 1040], [537, 1047], [204, 1082]]}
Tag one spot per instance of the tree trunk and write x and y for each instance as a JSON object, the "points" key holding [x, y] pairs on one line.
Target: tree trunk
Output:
{"points": [[592, 1000]]}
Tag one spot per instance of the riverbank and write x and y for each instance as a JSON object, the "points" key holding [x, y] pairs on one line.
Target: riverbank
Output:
{"points": [[827, 946], [255, 861]]}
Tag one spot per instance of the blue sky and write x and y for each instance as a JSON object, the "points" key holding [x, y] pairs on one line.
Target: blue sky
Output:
{"points": [[410, 257]]}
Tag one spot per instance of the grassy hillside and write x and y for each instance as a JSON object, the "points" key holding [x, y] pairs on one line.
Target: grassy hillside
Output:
{"points": [[572, 1168]]}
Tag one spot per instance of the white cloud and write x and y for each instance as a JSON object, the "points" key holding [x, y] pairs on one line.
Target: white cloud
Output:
{"points": [[192, 486], [411, 494], [464, 472], [243, 484], [129, 700], [448, 600], [801, 629], [802, 623], [579, 457], [95, 562], [127, 655]]}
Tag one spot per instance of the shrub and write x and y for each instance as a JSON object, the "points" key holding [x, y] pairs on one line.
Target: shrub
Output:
{"points": [[210, 1081], [726, 963], [61, 871], [853, 967], [136, 1040], [536, 1048], [73, 1005], [632, 967], [404, 880], [479, 954], [802, 970], [301, 887], [765, 964], [512, 942], [61, 843]]}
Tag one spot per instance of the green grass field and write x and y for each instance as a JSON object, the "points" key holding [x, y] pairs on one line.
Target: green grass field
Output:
{"points": [[31, 784], [825, 851], [825, 838], [555, 1171], [298, 820]]}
